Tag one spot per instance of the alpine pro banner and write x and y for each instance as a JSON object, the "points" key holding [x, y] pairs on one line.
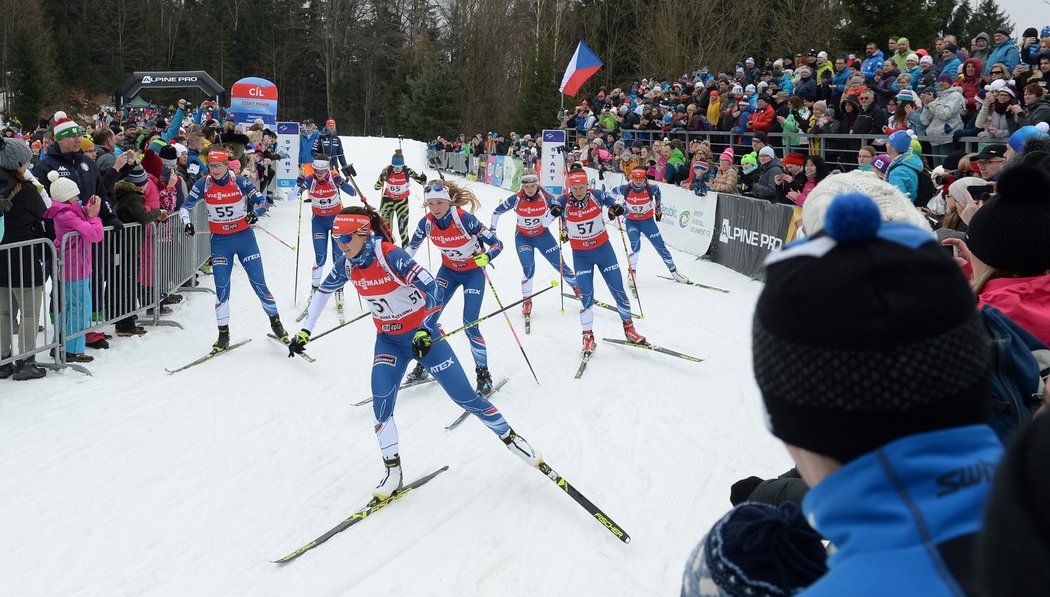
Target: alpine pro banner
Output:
{"points": [[552, 162], [288, 168], [748, 230], [252, 98], [688, 220]]}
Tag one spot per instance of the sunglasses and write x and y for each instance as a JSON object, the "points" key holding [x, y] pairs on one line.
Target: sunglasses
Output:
{"points": [[343, 239]]}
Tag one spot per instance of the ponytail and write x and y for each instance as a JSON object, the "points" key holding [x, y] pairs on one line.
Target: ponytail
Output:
{"points": [[460, 196]]}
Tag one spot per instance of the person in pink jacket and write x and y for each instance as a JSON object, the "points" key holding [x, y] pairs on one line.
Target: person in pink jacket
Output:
{"points": [[70, 216], [1008, 246]]}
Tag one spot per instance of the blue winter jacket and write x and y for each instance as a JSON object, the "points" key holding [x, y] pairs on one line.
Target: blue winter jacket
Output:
{"points": [[904, 174], [328, 144], [840, 80], [1006, 53], [786, 84], [306, 145], [903, 518], [871, 65], [951, 66]]}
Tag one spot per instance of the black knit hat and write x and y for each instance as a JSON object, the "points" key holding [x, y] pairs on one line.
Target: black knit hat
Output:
{"points": [[852, 331], [1012, 231]]}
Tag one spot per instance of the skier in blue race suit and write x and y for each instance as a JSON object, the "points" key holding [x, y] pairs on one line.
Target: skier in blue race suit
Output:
{"points": [[531, 205], [402, 297], [643, 211], [324, 186], [230, 223], [462, 239], [583, 222]]}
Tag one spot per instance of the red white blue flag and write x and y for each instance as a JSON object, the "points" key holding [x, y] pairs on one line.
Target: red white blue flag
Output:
{"points": [[583, 64]]}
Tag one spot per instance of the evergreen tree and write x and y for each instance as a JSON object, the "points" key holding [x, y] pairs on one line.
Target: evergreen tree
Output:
{"points": [[432, 105], [536, 107], [988, 17]]}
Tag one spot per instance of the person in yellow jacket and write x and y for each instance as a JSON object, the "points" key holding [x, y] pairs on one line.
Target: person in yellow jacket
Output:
{"points": [[714, 108]]}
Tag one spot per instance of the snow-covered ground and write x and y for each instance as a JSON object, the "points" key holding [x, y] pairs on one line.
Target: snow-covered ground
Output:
{"points": [[134, 482]]}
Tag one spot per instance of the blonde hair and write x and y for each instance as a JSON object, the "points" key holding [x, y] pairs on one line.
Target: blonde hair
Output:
{"points": [[460, 196]]}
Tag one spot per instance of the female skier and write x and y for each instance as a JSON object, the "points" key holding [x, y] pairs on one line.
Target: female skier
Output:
{"points": [[531, 205], [402, 297], [461, 239], [584, 222], [643, 212]]}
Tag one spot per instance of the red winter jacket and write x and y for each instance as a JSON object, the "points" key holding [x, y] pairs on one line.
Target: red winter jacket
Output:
{"points": [[971, 85], [1024, 300], [761, 120]]}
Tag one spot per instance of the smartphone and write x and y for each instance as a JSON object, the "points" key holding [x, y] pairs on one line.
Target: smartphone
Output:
{"points": [[980, 192]]}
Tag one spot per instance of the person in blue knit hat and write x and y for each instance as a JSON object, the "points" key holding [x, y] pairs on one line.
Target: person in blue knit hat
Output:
{"points": [[895, 447], [905, 166], [753, 551]]}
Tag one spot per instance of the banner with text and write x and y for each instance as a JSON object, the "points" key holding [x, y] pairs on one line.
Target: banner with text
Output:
{"points": [[288, 168], [253, 98], [688, 220], [748, 231], [552, 162]]}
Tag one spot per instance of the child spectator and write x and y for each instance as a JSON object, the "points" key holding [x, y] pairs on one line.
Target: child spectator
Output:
{"points": [[70, 216]]}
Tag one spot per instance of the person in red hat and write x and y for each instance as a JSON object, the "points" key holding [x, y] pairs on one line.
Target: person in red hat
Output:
{"points": [[405, 305], [230, 224], [583, 225]]}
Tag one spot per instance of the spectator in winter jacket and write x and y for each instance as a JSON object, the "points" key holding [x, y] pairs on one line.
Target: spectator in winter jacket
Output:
{"points": [[329, 146], [1036, 106], [22, 207], [952, 62], [927, 74], [996, 118], [872, 461], [1034, 43], [307, 137], [769, 168], [807, 87], [970, 83], [762, 118], [1005, 51], [900, 56], [726, 178], [839, 81], [884, 87], [943, 116], [872, 63], [905, 166], [870, 118], [979, 47]]}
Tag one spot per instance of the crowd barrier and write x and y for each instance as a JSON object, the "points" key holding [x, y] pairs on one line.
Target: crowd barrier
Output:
{"points": [[500, 171], [749, 230], [131, 271]]}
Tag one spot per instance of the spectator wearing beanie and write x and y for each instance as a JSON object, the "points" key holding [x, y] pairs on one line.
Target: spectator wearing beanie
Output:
{"points": [[755, 550], [1003, 51], [1008, 248], [893, 205], [903, 171], [22, 207], [726, 178], [790, 182], [881, 434], [1017, 141], [769, 169], [957, 199], [70, 216]]}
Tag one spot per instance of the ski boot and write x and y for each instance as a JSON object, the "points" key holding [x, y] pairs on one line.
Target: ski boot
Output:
{"points": [[588, 342], [526, 307], [632, 334], [521, 448], [392, 482], [224, 339], [679, 277], [418, 374], [484, 381], [278, 328]]}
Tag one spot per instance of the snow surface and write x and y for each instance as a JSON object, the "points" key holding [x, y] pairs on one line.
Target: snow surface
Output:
{"points": [[134, 482]]}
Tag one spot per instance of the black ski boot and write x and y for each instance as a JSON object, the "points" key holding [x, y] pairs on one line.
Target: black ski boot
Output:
{"points": [[418, 374], [278, 328], [484, 381], [224, 339]]}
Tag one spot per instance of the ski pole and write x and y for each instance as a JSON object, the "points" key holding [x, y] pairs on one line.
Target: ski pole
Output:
{"points": [[554, 284], [509, 324], [259, 226], [298, 232], [630, 270], [561, 269], [340, 326]]}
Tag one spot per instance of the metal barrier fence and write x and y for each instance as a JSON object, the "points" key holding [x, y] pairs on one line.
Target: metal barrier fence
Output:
{"points": [[838, 150], [114, 281], [24, 270]]}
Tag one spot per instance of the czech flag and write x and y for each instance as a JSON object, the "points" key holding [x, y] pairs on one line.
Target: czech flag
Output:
{"points": [[583, 64]]}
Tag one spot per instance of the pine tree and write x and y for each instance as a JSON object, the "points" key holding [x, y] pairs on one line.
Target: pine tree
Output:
{"points": [[988, 17], [432, 104], [537, 104]]}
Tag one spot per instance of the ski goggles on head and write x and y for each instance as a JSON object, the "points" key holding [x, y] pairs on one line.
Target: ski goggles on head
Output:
{"points": [[437, 191], [345, 226], [320, 165], [530, 179]]}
